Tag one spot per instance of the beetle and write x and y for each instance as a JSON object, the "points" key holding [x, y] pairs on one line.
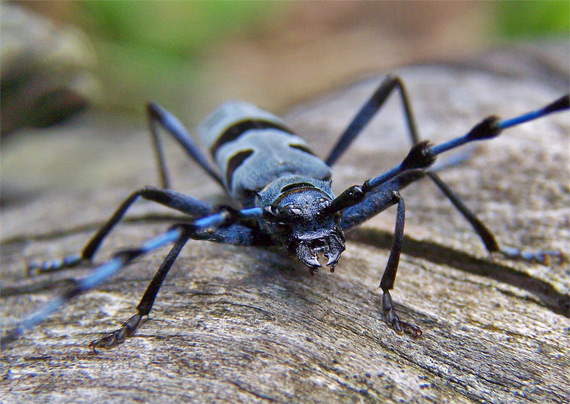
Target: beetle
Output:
{"points": [[285, 199]]}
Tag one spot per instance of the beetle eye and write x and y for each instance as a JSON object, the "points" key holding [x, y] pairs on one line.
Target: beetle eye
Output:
{"points": [[272, 210]]}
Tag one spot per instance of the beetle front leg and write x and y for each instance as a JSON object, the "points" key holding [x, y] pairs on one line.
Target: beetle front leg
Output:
{"points": [[226, 233], [390, 272], [129, 327]]}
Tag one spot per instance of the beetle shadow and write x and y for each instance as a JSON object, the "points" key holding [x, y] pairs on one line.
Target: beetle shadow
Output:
{"points": [[554, 300]]}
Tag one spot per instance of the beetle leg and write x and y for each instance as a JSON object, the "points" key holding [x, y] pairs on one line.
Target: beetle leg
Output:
{"points": [[171, 199], [389, 277]]}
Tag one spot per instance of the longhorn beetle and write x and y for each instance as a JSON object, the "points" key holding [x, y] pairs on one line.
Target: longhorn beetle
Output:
{"points": [[285, 195]]}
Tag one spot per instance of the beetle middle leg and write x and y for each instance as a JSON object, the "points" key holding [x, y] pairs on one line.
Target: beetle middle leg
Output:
{"points": [[168, 198]]}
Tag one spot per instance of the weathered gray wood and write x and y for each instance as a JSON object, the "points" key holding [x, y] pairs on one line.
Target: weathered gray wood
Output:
{"points": [[248, 325]]}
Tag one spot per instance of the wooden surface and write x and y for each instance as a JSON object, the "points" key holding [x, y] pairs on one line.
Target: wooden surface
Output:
{"points": [[248, 325]]}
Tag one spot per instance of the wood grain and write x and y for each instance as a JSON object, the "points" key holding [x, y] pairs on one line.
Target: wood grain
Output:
{"points": [[249, 325]]}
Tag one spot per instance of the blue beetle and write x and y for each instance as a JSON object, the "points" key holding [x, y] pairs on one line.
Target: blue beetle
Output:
{"points": [[283, 191]]}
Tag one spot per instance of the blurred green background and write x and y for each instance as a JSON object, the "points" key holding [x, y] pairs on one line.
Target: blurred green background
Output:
{"points": [[191, 55], [59, 57]]}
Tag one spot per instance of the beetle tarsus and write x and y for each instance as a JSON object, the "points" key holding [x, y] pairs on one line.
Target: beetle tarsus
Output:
{"points": [[128, 329], [40, 267], [394, 320], [541, 257]]}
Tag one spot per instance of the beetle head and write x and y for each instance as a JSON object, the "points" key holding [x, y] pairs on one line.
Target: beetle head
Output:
{"points": [[301, 219]]}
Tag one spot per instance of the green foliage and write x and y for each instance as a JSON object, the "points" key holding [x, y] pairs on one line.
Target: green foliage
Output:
{"points": [[524, 19], [177, 27], [153, 49], [180, 27]]}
